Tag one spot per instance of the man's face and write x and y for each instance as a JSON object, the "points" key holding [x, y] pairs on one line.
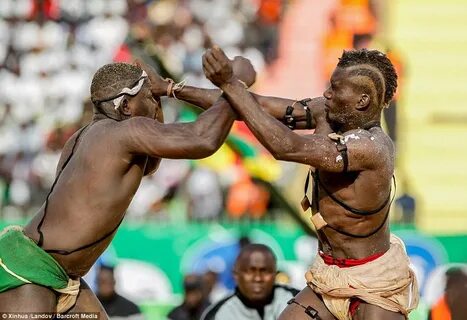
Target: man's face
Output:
{"points": [[341, 97], [194, 298], [255, 274], [144, 104], [105, 283]]}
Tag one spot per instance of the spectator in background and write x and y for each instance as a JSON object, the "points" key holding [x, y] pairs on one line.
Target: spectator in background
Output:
{"points": [[114, 304], [204, 195], [213, 288], [256, 296], [194, 301], [358, 16], [406, 204], [247, 198], [390, 114], [452, 304], [336, 39], [267, 23], [352, 23]]}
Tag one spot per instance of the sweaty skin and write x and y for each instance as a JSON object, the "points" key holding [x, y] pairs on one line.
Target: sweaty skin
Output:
{"points": [[276, 107], [97, 185], [365, 186]]}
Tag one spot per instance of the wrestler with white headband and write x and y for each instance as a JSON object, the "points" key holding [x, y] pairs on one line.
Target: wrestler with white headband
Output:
{"points": [[99, 172], [117, 100], [106, 94]]}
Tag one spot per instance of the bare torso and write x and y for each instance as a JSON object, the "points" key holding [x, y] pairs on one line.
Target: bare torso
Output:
{"points": [[90, 197], [365, 190]]}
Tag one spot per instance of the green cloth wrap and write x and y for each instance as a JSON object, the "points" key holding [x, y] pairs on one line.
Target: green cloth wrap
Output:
{"points": [[23, 257]]}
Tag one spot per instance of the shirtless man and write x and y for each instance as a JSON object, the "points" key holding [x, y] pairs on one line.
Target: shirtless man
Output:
{"points": [[361, 271], [99, 171]]}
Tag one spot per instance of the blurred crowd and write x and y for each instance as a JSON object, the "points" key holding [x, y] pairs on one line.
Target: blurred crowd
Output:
{"points": [[49, 51], [359, 24]]}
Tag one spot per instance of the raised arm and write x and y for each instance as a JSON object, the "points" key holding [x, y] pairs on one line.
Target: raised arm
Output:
{"points": [[316, 150], [276, 107], [193, 140]]}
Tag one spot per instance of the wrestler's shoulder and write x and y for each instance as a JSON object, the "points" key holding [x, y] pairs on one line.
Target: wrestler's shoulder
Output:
{"points": [[373, 143], [376, 135], [104, 131]]}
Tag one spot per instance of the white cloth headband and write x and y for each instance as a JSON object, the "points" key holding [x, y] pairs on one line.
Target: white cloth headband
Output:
{"points": [[130, 91]]}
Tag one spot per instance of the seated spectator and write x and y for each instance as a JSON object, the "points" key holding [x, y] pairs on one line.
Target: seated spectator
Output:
{"points": [[451, 306], [256, 296], [114, 304], [214, 290], [194, 302], [405, 206]]}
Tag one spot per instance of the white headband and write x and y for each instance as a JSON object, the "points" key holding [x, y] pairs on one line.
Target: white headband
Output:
{"points": [[130, 91]]}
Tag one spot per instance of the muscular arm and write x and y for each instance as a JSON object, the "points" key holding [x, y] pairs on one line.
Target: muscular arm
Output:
{"points": [[194, 140], [315, 150], [205, 98], [276, 107]]}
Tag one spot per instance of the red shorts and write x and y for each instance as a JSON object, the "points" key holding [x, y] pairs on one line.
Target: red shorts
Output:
{"points": [[345, 263]]}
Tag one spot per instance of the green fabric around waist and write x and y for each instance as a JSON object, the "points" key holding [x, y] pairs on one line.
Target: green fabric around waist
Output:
{"points": [[24, 258]]}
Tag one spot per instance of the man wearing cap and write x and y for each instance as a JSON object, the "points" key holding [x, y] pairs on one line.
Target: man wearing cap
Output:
{"points": [[99, 172]]}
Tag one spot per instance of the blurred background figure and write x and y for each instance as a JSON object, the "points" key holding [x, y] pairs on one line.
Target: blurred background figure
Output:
{"points": [[114, 304], [247, 199], [390, 113], [214, 289], [204, 195], [405, 207], [452, 305], [194, 300], [256, 294]]}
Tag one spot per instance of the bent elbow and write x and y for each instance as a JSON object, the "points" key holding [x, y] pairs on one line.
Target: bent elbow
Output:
{"points": [[278, 155], [207, 147], [211, 148]]}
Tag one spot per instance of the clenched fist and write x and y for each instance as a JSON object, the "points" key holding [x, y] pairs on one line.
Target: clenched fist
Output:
{"points": [[158, 85], [217, 67], [244, 70]]}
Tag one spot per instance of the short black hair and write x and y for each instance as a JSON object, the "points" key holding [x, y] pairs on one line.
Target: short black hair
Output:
{"points": [[456, 273], [378, 60], [107, 268], [193, 282], [254, 247]]}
